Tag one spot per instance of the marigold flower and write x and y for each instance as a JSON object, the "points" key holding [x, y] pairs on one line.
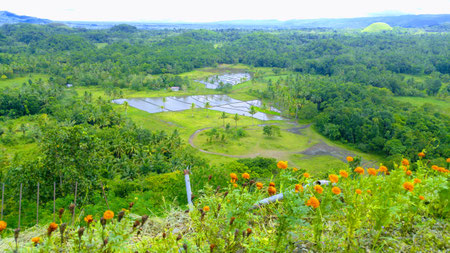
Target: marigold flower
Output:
{"points": [[313, 201], [417, 181], [369, 191], [259, 185], [333, 178], [349, 159], [282, 165], [235, 185], [88, 218], [408, 186], [206, 208], [271, 190], [3, 225], [108, 215], [408, 172], [246, 176], [403, 168], [448, 160], [52, 227], [343, 173], [422, 197], [36, 240], [405, 162], [421, 154], [359, 170], [336, 190], [383, 169], [272, 184], [358, 191], [294, 169], [298, 187], [372, 171], [234, 177], [306, 175], [318, 188]]}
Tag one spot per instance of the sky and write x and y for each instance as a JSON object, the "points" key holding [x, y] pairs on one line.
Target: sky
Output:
{"points": [[212, 10]]}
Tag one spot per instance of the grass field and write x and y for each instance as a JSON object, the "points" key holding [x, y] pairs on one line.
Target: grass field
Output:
{"points": [[14, 82], [441, 105]]}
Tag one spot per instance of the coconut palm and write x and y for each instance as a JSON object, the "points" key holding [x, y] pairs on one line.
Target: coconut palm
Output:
{"points": [[236, 118], [125, 106], [252, 111], [192, 108], [223, 117], [207, 106]]}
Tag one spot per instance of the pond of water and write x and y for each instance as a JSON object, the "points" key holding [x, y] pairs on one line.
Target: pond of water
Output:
{"points": [[213, 82], [221, 103]]}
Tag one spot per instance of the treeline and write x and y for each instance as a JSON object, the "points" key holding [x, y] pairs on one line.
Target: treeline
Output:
{"points": [[366, 117], [116, 56]]}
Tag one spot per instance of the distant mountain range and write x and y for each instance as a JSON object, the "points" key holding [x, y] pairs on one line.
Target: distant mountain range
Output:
{"points": [[406, 21], [7, 17]]}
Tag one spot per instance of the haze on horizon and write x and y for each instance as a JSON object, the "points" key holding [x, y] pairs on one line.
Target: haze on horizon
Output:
{"points": [[210, 10]]}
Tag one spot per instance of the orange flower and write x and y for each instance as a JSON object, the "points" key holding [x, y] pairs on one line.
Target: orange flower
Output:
{"points": [[369, 191], [235, 185], [422, 197], [343, 173], [234, 177], [405, 162], [246, 176], [298, 187], [372, 171], [408, 186], [36, 240], [52, 227], [206, 208], [314, 202], [306, 175], [108, 215], [448, 160], [403, 168], [349, 159], [383, 169], [3, 225], [271, 190], [333, 178], [421, 154], [336, 190], [282, 165], [408, 172], [358, 191], [259, 185], [294, 169], [434, 167], [417, 181], [359, 170], [318, 188], [88, 218]]}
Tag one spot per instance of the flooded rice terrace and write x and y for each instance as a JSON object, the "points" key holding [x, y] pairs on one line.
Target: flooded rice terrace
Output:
{"points": [[221, 103], [213, 82]]}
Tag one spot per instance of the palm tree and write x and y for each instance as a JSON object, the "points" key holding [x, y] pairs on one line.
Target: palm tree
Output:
{"points": [[223, 117], [236, 118], [125, 106], [207, 106], [192, 108], [252, 111], [164, 100]]}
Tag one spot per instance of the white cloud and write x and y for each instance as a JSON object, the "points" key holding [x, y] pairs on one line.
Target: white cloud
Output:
{"points": [[212, 10]]}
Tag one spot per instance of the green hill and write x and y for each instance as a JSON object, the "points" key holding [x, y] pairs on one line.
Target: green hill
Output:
{"points": [[377, 27]]}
